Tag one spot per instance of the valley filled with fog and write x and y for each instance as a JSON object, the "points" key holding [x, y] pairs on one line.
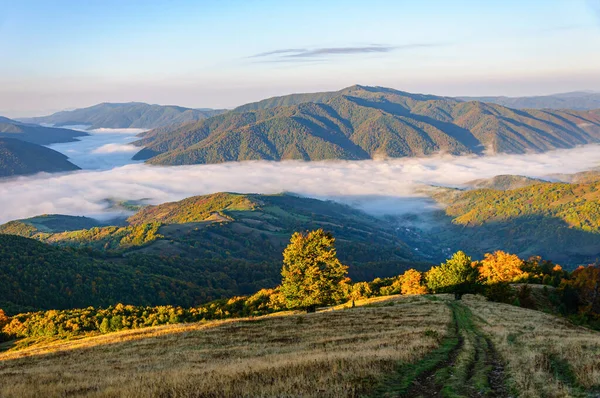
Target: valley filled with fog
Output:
{"points": [[380, 187], [102, 149]]}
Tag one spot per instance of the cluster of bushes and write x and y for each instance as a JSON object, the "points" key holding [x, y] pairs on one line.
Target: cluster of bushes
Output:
{"points": [[106, 238], [69, 323]]}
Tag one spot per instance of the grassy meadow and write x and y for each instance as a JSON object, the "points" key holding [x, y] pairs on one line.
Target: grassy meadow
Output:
{"points": [[332, 353], [411, 346]]}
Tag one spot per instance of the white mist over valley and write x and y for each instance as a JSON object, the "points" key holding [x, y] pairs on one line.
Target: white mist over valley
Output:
{"points": [[102, 149], [379, 187]]}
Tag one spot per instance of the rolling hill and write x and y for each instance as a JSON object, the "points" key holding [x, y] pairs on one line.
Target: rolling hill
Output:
{"points": [[36, 134], [125, 115], [227, 226], [21, 158], [503, 182], [579, 100], [209, 247], [365, 123], [584, 177]]}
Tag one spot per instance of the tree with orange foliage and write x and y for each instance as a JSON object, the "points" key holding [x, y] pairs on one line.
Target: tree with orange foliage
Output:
{"points": [[411, 282], [500, 267]]}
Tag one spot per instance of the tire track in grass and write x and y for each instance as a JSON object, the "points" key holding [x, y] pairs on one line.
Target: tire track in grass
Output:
{"points": [[464, 365]]}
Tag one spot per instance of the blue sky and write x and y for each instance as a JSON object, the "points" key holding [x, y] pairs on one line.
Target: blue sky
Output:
{"points": [[65, 54]]}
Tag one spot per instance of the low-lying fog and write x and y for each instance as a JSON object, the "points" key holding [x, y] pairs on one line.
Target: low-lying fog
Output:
{"points": [[103, 149], [379, 187]]}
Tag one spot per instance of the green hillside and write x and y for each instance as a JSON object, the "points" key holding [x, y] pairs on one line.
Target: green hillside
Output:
{"points": [[555, 220], [364, 123], [126, 115], [228, 226], [48, 223], [296, 99], [21, 158], [210, 247], [36, 134]]}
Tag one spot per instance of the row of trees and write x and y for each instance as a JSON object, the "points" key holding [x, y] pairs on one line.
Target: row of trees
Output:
{"points": [[313, 276]]}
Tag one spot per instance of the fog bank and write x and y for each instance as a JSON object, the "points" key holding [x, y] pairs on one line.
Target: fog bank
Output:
{"points": [[380, 187]]}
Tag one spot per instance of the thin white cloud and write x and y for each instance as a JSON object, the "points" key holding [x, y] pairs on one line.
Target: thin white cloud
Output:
{"points": [[302, 54], [117, 131], [116, 148], [387, 186]]}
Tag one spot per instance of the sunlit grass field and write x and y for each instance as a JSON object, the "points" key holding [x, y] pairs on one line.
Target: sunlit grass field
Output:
{"points": [[332, 353], [545, 356], [385, 346]]}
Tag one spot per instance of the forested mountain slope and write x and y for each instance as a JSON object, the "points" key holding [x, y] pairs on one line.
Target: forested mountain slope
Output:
{"points": [[21, 158], [555, 220], [363, 123], [35, 275]]}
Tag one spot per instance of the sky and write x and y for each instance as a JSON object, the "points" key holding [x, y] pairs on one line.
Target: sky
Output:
{"points": [[63, 54]]}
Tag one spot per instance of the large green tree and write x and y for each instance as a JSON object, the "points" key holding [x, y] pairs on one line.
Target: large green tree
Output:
{"points": [[457, 275], [312, 274]]}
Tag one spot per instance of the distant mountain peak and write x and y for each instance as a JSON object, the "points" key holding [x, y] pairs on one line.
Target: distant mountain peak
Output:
{"points": [[126, 115], [362, 122], [576, 100]]}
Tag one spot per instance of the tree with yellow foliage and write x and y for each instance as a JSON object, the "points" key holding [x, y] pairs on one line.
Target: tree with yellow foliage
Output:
{"points": [[360, 290], [500, 267]]}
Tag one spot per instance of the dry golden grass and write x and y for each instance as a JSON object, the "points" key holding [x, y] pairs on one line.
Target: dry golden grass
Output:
{"points": [[332, 353], [531, 343]]}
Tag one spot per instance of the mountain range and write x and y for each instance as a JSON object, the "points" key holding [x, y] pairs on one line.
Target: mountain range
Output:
{"points": [[578, 100], [361, 122], [21, 158], [125, 115]]}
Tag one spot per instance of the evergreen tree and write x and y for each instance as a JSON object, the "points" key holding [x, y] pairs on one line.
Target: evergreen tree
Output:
{"points": [[312, 274]]}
